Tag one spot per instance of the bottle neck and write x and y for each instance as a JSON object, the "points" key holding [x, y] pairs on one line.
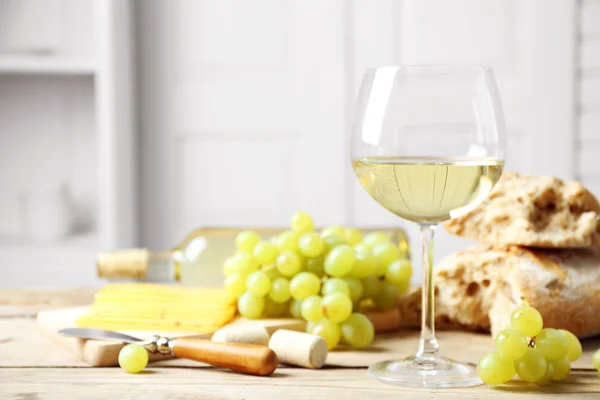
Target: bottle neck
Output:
{"points": [[139, 264]]}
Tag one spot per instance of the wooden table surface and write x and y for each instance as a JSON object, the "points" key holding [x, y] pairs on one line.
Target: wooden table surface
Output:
{"points": [[33, 368]]}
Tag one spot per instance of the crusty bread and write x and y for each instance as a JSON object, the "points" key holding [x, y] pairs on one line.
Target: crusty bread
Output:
{"points": [[477, 289], [536, 211]]}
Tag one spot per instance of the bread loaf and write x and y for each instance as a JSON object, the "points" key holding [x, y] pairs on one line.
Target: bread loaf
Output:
{"points": [[537, 211], [477, 289]]}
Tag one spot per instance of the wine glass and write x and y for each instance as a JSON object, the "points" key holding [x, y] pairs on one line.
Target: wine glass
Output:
{"points": [[428, 144]]}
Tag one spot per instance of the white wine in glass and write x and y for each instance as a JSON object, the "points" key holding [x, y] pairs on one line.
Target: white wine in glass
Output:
{"points": [[428, 144]]}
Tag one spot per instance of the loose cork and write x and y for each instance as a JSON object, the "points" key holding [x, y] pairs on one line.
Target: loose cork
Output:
{"points": [[248, 335], [300, 349]]}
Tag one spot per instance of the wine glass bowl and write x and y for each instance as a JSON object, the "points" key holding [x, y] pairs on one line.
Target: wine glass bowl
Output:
{"points": [[428, 144]]}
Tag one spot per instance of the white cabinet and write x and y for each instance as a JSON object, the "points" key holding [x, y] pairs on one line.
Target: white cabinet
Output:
{"points": [[66, 138]]}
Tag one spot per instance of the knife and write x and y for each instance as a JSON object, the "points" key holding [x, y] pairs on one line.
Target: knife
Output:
{"points": [[246, 358]]}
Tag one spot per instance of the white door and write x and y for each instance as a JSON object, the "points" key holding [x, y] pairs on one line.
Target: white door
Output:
{"points": [[529, 44]]}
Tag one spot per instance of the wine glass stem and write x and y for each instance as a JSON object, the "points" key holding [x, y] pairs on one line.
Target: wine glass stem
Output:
{"points": [[428, 344]]}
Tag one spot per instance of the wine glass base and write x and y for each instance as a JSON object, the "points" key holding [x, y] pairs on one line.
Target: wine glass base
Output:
{"points": [[426, 371]]}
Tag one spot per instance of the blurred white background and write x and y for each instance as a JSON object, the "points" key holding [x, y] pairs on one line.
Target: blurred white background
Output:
{"points": [[129, 123]]}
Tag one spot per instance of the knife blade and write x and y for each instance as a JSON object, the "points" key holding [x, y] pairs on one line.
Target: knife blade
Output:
{"points": [[98, 334]]}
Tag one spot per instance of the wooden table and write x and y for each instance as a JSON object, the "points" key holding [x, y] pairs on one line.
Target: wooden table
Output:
{"points": [[33, 368]]}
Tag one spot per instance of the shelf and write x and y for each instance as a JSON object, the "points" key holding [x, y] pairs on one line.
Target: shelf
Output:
{"points": [[46, 65]]}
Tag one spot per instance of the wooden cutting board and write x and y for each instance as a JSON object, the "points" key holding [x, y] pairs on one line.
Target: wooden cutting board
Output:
{"points": [[464, 346]]}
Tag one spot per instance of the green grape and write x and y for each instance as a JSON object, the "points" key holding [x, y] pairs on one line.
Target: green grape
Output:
{"points": [[375, 238], [251, 306], [296, 308], [371, 287], [328, 330], [511, 343], [333, 285], [289, 263], [244, 264], [304, 285], [302, 222], [495, 369], [387, 298], [229, 266], [353, 236], [280, 290], [355, 286], [333, 230], [403, 288], [596, 360], [258, 284], [274, 309], [333, 241], [531, 367], [245, 241], [272, 272], [311, 309], [315, 265], [363, 247], [528, 320], [133, 358], [365, 264], [386, 253], [265, 253], [548, 376], [399, 272], [561, 367], [358, 331], [340, 261], [575, 350], [336, 306], [287, 241], [234, 285], [311, 244], [551, 344]]}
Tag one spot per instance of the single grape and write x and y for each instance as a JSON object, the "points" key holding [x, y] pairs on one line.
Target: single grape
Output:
{"points": [[274, 309], [258, 284], [596, 360], [531, 367], [229, 266], [333, 230], [296, 308], [495, 369], [511, 343], [265, 253], [371, 287], [355, 286], [280, 290], [551, 344], [366, 263], [133, 358], [575, 350], [333, 241], [387, 298], [528, 320], [288, 263], [548, 376], [251, 306], [315, 265], [302, 223], [328, 330], [287, 241], [333, 285], [235, 285], [399, 272], [562, 368], [311, 244], [340, 261], [244, 264], [336, 306], [386, 253], [304, 285], [375, 238], [353, 236], [311, 309], [358, 331], [245, 241]]}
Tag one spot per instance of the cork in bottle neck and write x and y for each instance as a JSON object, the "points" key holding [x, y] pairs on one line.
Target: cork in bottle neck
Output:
{"points": [[132, 263]]}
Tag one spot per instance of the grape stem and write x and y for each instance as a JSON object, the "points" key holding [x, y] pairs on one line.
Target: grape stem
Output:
{"points": [[428, 344]]}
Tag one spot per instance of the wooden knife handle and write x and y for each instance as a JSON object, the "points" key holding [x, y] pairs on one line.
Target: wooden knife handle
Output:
{"points": [[247, 358]]}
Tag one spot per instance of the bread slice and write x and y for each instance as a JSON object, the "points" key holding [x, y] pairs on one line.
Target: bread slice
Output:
{"points": [[477, 289], [536, 211]]}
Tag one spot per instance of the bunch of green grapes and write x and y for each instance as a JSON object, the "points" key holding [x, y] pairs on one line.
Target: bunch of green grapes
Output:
{"points": [[528, 350], [324, 277]]}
